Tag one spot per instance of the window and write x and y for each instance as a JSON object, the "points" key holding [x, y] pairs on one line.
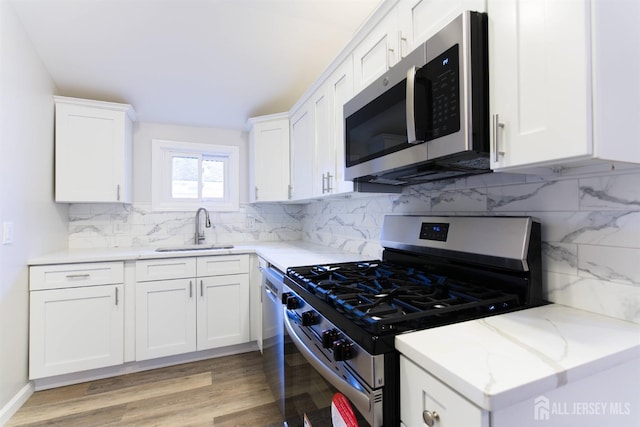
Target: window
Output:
{"points": [[188, 175]]}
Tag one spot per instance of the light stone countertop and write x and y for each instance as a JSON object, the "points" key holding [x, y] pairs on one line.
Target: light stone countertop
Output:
{"points": [[281, 254], [500, 360]]}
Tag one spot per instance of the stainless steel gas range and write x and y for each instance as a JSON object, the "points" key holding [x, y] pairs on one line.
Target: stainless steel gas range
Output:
{"points": [[342, 319]]}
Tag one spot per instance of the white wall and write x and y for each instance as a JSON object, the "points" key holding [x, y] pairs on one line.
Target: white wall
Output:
{"points": [[26, 192], [143, 133]]}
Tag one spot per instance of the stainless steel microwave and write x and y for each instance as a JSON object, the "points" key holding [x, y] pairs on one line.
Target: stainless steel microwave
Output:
{"points": [[426, 118]]}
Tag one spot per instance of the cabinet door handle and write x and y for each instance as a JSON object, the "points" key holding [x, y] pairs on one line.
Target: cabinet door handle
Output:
{"points": [[496, 126], [201, 289], [118, 192], [116, 296], [190, 289], [323, 186], [390, 58], [256, 188], [78, 276], [430, 417]]}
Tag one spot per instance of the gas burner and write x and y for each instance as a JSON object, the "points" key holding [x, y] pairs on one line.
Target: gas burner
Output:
{"points": [[385, 297]]}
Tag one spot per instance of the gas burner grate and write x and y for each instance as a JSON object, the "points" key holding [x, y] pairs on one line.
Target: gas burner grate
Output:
{"points": [[383, 297]]}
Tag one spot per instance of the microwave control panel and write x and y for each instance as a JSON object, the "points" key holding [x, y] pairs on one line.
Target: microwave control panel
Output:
{"points": [[441, 78]]}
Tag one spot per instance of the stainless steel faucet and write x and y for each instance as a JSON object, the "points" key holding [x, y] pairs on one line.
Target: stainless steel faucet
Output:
{"points": [[199, 237]]}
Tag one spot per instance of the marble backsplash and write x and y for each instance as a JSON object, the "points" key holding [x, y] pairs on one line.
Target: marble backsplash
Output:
{"points": [[137, 226], [590, 227]]}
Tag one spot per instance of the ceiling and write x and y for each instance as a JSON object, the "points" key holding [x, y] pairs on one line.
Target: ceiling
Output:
{"points": [[211, 63]]}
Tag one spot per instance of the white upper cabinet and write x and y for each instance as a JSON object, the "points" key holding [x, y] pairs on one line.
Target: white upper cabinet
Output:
{"points": [[377, 52], [340, 89], [421, 19], [325, 147], [302, 152], [93, 153], [269, 158], [559, 93]]}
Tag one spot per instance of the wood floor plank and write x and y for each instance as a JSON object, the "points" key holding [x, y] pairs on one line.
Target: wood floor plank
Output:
{"points": [[110, 398], [224, 391], [268, 414]]}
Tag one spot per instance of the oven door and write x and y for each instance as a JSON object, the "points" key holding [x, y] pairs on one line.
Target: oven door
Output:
{"points": [[311, 382]]}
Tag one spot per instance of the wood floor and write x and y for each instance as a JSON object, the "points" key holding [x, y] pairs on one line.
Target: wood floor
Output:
{"points": [[225, 391]]}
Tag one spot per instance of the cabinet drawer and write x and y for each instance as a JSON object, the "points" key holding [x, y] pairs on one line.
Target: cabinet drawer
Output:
{"points": [[221, 265], [165, 269], [75, 275], [420, 392]]}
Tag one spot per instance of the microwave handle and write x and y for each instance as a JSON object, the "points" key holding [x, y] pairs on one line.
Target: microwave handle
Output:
{"points": [[410, 99]]}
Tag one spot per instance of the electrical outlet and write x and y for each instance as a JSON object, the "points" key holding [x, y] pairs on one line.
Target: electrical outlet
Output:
{"points": [[7, 233], [251, 223]]}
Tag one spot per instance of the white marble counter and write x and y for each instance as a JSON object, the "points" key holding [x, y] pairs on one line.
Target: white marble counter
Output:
{"points": [[281, 254], [501, 360]]}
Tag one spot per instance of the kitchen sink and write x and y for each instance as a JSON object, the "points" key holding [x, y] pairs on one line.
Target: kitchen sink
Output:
{"points": [[193, 248]]}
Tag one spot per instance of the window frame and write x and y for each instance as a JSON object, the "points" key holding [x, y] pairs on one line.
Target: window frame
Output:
{"points": [[162, 153]]}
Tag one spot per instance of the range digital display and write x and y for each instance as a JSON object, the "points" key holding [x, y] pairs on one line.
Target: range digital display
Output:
{"points": [[434, 231]]}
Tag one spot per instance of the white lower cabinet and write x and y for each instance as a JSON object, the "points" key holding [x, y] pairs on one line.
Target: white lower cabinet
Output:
{"points": [[75, 328], [424, 398], [207, 308], [165, 318], [223, 311]]}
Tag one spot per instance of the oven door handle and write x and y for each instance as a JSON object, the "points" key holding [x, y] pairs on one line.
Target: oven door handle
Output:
{"points": [[358, 398]]}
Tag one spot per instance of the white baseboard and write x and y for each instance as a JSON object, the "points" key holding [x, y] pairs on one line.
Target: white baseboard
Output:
{"points": [[8, 410]]}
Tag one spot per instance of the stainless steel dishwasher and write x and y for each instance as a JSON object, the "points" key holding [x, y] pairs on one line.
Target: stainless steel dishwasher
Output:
{"points": [[273, 330]]}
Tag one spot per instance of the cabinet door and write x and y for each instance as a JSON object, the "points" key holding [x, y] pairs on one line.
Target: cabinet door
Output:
{"points": [[76, 329], [340, 89], [302, 153], [324, 154], [421, 19], [93, 154], [539, 81], [421, 393], [165, 318], [270, 161], [223, 311], [378, 52]]}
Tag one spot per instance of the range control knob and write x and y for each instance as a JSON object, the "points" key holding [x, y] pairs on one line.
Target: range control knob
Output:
{"points": [[309, 318], [342, 350], [328, 337], [293, 302], [285, 296]]}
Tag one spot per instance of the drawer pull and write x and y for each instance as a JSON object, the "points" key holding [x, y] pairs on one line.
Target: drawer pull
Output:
{"points": [[430, 418], [78, 276]]}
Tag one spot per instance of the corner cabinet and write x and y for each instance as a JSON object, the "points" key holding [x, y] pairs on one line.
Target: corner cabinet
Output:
{"points": [[269, 158], [76, 318], [93, 151], [560, 82]]}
